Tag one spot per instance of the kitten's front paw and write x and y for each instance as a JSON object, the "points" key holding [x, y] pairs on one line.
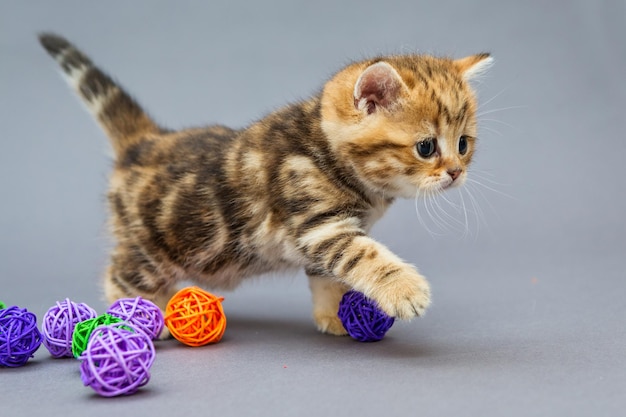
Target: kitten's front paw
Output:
{"points": [[326, 296], [330, 324], [165, 334], [404, 295]]}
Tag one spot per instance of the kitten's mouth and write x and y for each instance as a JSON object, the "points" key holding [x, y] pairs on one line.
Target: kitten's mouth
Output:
{"points": [[452, 183], [447, 184]]}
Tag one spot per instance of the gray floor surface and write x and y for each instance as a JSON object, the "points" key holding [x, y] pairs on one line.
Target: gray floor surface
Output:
{"points": [[529, 308]]}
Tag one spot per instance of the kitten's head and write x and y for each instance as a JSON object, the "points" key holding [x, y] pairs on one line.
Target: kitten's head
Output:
{"points": [[405, 123]]}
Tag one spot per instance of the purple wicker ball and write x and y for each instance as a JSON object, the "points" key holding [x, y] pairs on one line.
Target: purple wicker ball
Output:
{"points": [[117, 361], [19, 336], [362, 318], [58, 325], [142, 314]]}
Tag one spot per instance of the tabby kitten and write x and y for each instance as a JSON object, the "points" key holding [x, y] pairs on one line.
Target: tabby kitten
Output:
{"points": [[299, 188]]}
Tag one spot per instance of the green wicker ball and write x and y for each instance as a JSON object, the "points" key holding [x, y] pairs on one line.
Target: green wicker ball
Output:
{"points": [[83, 331]]}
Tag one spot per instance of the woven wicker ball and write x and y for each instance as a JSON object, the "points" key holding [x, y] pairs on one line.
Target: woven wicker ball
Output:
{"points": [[83, 330], [195, 317], [116, 361], [19, 336], [362, 318], [58, 326], [142, 314]]}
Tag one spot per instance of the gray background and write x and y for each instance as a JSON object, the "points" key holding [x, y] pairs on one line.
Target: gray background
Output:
{"points": [[529, 309]]}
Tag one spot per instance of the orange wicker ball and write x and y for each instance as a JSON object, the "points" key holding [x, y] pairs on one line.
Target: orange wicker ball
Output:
{"points": [[195, 317]]}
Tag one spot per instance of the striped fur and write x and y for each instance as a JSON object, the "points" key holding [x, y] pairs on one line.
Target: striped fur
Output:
{"points": [[300, 188]]}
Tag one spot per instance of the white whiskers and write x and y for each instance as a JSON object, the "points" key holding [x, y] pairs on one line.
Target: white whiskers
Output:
{"points": [[423, 222], [486, 112], [442, 213], [458, 210], [502, 193]]}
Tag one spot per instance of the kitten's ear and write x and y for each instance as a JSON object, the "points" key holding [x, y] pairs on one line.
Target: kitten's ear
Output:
{"points": [[474, 66], [378, 86]]}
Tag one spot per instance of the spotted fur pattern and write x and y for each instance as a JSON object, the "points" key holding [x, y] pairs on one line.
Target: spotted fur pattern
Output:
{"points": [[299, 188]]}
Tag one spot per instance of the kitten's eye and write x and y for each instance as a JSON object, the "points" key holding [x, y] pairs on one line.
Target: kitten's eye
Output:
{"points": [[463, 145], [427, 147]]}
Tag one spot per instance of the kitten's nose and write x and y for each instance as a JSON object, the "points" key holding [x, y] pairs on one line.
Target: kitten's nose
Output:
{"points": [[454, 173]]}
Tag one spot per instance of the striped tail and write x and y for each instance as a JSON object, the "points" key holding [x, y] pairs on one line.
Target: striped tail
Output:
{"points": [[122, 118]]}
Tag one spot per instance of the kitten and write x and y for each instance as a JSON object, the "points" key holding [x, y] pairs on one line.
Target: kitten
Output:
{"points": [[300, 188]]}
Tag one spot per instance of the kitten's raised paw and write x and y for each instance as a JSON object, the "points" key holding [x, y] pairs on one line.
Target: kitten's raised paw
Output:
{"points": [[405, 296], [329, 324]]}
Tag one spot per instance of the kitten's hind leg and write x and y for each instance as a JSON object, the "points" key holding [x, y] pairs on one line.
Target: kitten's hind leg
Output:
{"points": [[326, 293]]}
